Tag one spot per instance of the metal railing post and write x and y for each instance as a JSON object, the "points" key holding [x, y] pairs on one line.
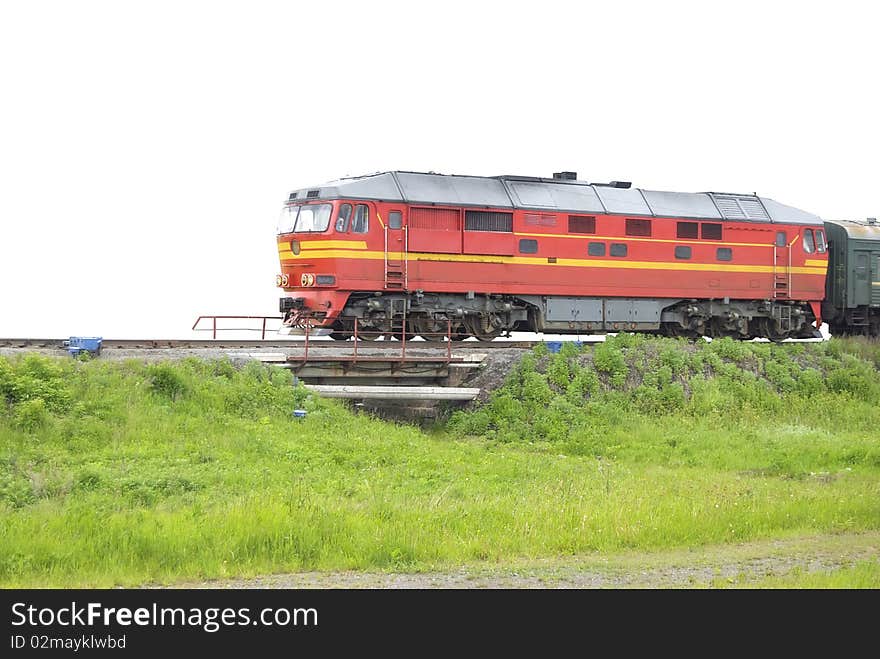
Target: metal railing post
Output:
{"points": [[403, 335], [355, 338], [449, 339]]}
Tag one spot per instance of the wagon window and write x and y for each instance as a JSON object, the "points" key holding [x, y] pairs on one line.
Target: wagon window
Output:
{"points": [[638, 228], [821, 247], [688, 230], [343, 218], [361, 222], [596, 249], [724, 254], [711, 231], [809, 243], [682, 252], [617, 249], [862, 266]]}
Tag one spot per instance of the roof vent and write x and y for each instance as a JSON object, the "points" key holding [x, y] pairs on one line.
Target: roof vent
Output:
{"points": [[565, 176], [616, 184], [872, 220], [292, 196], [312, 194]]}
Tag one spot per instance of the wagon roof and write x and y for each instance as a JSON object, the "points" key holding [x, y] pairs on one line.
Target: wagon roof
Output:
{"points": [[554, 195], [859, 230]]}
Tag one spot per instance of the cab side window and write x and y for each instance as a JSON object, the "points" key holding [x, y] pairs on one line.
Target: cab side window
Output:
{"points": [[821, 247], [809, 242], [343, 218], [361, 223]]}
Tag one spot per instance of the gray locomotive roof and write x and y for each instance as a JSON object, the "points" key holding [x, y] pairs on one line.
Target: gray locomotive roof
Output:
{"points": [[555, 195], [864, 230]]}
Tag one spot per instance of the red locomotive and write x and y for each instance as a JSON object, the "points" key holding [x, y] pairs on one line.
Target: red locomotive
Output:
{"points": [[489, 255]]}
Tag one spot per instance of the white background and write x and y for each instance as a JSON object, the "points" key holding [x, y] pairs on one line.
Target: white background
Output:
{"points": [[146, 148]]}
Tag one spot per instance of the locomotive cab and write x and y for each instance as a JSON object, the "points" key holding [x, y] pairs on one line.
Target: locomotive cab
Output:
{"points": [[313, 234]]}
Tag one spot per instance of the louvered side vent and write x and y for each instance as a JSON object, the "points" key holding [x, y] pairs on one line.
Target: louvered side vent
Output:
{"points": [[875, 290], [435, 219], [488, 221], [311, 194], [734, 207]]}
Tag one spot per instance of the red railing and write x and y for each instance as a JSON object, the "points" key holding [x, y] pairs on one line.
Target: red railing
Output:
{"points": [[357, 335], [214, 329]]}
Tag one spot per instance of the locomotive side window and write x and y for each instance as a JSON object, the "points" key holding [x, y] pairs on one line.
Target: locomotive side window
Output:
{"points": [[780, 238], [343, 218], [581, 224], [488, 221], [596, 249], [809, 242], [361, 222], [528, 246], [821, 247], [617, 249], [395, 220], [687, 230], [711, 231], [724, 254], [637, 228], [682, 252]]}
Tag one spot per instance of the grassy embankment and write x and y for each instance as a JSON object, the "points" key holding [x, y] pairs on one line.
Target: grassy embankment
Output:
{"points": [[123, 473]]}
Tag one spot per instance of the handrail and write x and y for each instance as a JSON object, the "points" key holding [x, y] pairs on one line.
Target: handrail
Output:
{"points": [[214, 329]]}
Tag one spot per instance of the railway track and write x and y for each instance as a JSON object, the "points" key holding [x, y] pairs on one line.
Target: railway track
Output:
{"points": [[228, 344]]}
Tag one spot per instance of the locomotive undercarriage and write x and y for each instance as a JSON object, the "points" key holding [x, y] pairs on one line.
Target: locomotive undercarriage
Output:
{"points": [[438, 317]]}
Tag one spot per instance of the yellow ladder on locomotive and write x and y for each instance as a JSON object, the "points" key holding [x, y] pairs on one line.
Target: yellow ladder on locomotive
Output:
{"points": [[781, 272], [782, 285], [396, 257]]}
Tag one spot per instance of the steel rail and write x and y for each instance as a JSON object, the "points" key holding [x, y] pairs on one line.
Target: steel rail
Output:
{"points": [[231, 344]]}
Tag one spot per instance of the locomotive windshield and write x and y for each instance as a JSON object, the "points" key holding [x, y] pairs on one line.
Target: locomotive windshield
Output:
{"points": [[312, 218]]}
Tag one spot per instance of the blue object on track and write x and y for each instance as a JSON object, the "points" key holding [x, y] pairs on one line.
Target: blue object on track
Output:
{"points": [[78, 344], [299, 414]]}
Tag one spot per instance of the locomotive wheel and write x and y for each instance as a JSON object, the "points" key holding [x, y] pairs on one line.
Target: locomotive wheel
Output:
{"points": [[430, 330], [342, 330], [369, 335], [475, 326]]}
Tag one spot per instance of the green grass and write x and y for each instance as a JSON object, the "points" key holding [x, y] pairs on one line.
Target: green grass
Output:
{"points": [[864, 574], [123, 473]]}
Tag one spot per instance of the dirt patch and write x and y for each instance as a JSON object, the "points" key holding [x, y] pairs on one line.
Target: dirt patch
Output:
{"points": [[699, 568]]}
